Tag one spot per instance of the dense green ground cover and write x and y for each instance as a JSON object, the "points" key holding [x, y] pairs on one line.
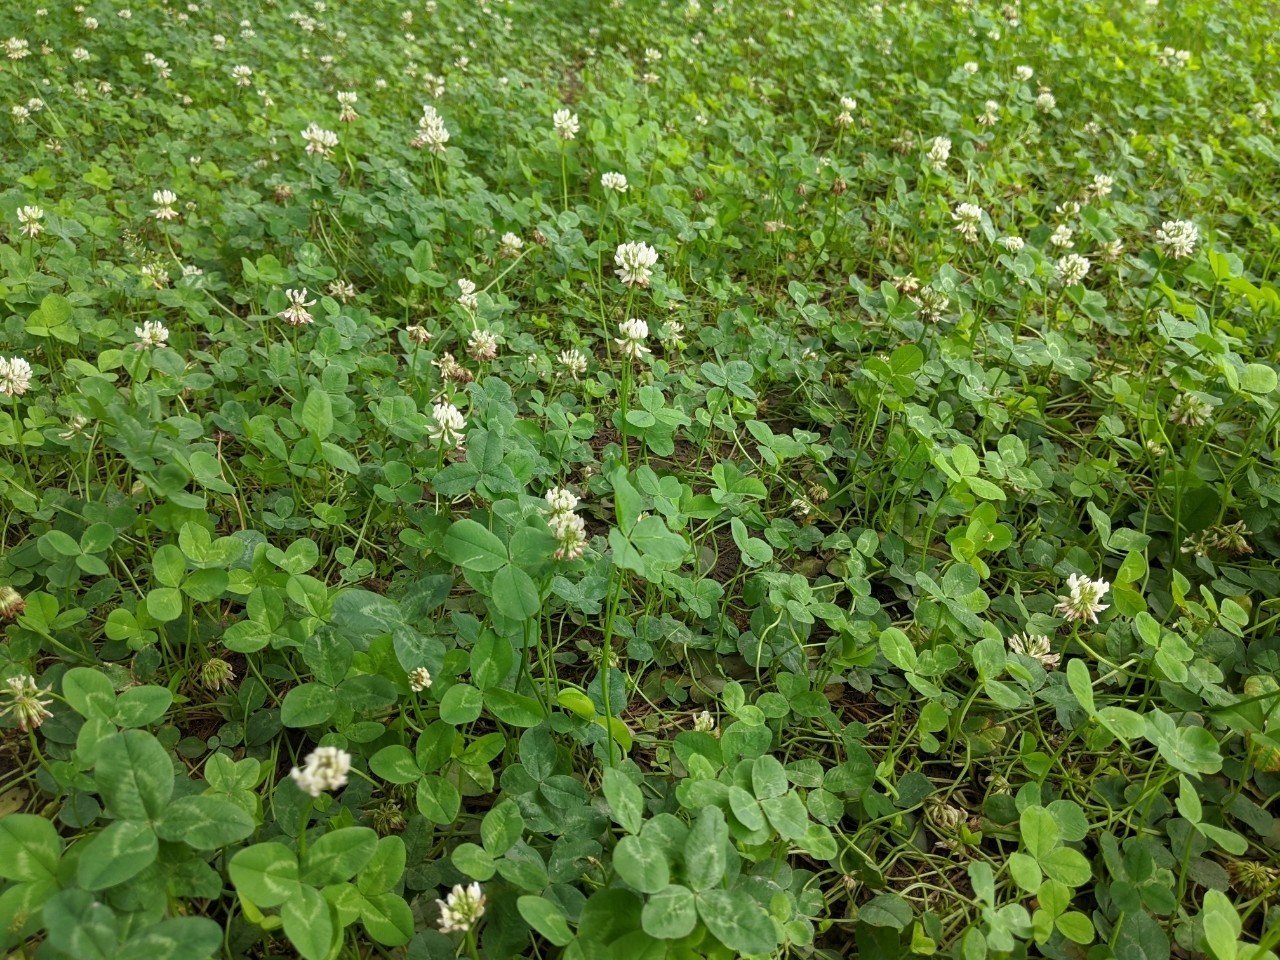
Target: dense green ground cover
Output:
{"points": [[639, 480]]}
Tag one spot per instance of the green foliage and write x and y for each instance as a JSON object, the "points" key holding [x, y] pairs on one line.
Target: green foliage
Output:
{"points": [[396, 564]]}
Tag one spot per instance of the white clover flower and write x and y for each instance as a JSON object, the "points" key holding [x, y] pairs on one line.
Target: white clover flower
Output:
{"points": [[616, 182], [931, 304], [971, 67], [153, 333], [704, 722], [242, 75], [432, 132], [461, 909], [672, 332], [26, 702], [419, 679], [565, 124], [79, 54], [1177, 238], [990, 114], [635, 263], [570, 531], [124, 13], [1081, 602], [342, 291], [561, 500], [296, 314], [1024, 73], [651, 55], [1045, 101], [939, 152], [91, 23], [482, 345], [29, 217], [325, 769], [448, 425], [16, 48], [467, 295], [320, 142], [968, 218], [1071, 269], [418, 333], [1062, 237], [15, 376], [1190, 411], [634, 332], [1112, 249], [574, 361], [347, 106], [19, 113], [164, 201], [1036, 646], [1101, 186], [510, 245], [1012, 243]]}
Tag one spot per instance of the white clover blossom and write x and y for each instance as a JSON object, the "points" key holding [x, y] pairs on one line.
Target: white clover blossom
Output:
{"points": [[467, 295], [1013, 244], [347, 106], [634, 332], [15, 376], [1081, 602], [482, 345], [561, 500], [447, 426], [164, 201], [1062, 237], [574, 362], [635, 263], [1045, 101], [419, 679], [616, 182], [26, 702], [968, 218], [1177, 238], [461, 909], [510, 245], [324, 770], [296, 313], [990, 114], [565, 124], [152, 333], [432, 133], [939, 152], [242, 75], [1037, 647], [320, 142], [1071, 269], [29, 218], [1190, 411], [1024, 73]]}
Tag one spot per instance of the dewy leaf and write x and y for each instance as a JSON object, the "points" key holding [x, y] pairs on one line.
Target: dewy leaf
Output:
{"points": [[472, 547], [265, 874], [29, 847], [134, 775], [204, 822], [121, 851], [737, 920], [704, 851]]}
